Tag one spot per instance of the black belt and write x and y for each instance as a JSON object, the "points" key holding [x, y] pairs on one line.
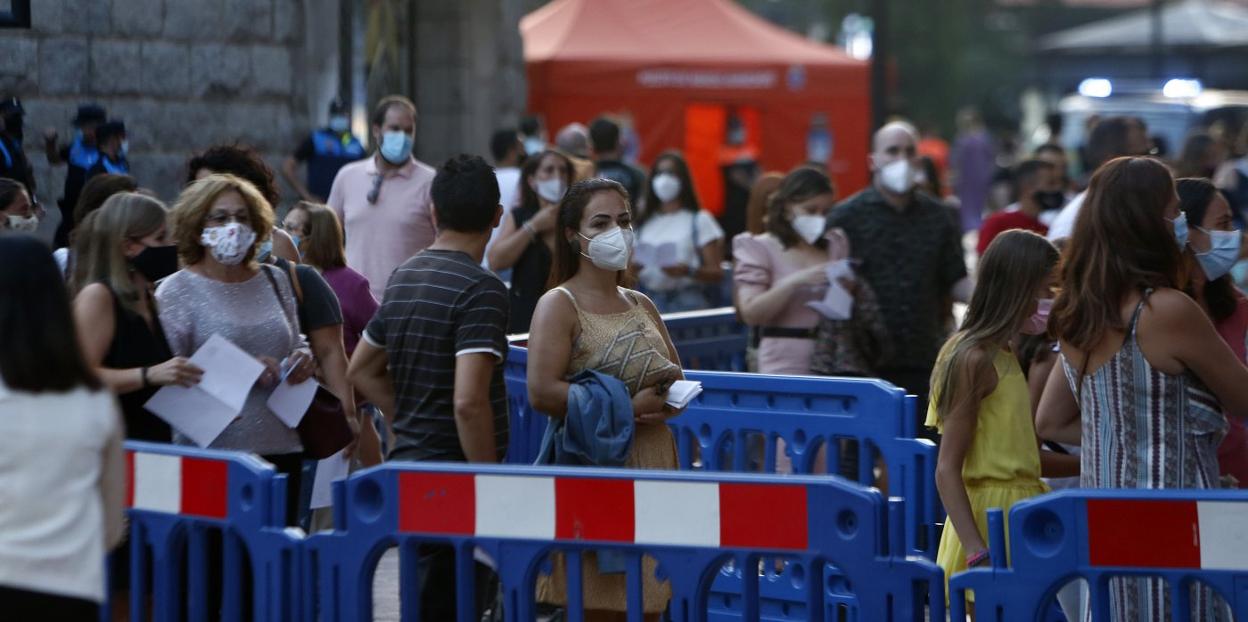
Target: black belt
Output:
{"points": [[787, 333]]}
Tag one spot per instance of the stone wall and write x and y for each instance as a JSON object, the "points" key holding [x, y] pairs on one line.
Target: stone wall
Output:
{"points": [[186, 74], [182, 74]]}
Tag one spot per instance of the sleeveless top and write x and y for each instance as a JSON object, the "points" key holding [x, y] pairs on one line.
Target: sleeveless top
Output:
{"points": [[528, 277], [138, 344], [627, 345], [1144, 428], [1004, 446]]}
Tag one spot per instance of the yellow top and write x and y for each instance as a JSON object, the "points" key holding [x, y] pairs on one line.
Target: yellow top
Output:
{"points": [[1004, 448]]}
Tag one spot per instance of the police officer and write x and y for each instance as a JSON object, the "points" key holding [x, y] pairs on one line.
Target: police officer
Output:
{"points": [[324, 152], [13, 162], [111, 138], [80, 155]]}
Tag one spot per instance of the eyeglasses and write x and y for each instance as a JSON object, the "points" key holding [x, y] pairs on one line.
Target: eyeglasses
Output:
{"points": [[218, 219]]}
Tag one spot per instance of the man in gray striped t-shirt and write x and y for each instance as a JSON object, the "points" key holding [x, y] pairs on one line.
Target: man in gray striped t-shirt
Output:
{"points": [[432, 357]]}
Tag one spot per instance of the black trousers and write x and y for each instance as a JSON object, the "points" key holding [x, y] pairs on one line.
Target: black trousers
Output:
{"points": [[22, 605], [437, 584]]}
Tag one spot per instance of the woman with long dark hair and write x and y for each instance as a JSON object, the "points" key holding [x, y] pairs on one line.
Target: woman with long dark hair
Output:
{"points": [[590, 321], [1213, 248], [62, 468], [674, 220], [528, 236], [1142, 369]]}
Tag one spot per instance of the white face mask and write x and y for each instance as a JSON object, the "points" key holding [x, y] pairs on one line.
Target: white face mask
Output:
{"points": [[810, 227], [898, 177], [551, 189], [228, 243], [24, 225], [666, 186], [610, 250]]}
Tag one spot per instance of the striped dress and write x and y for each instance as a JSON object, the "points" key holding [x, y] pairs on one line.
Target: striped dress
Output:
{"points": [[1143, 428]]}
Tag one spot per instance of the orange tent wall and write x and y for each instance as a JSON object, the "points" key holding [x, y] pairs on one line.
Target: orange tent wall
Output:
{"points": [[566, 92]]}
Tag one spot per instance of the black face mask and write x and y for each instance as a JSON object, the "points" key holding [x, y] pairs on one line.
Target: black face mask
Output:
{"points": [[1049, 200], [156, 262]]}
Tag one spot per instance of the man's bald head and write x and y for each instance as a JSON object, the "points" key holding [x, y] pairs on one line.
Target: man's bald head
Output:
{"points": [[893, 132]]}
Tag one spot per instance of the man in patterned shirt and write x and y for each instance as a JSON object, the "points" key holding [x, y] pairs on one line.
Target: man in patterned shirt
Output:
{"points": [[910, 253]]}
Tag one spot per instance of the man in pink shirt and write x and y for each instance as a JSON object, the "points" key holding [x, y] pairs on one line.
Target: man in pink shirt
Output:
{"points": [[383, 201]]}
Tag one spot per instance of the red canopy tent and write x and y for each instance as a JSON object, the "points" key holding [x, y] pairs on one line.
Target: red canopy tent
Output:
{"points": [[679, 69]]}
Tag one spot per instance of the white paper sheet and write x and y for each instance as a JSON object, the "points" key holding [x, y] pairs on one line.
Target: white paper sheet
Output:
{"points": [[682, 392], [666, 255], [290, 401], [229, 372], [837, 303], [203, 411], [644, 254], [328, 471], [192, 412]]}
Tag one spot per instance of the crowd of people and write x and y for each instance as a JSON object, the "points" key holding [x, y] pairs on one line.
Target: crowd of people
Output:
{"points": [[1111, 351]]}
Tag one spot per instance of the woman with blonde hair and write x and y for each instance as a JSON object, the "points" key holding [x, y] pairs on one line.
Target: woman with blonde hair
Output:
{"points": [[219, 223], [122, 250]]}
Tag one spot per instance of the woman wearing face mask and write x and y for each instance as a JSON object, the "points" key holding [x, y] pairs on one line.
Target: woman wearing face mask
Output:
{"points": [[682, 244], [1213, 247], [526, 239], [122, 249], [318, 236], [779, 272], [590, 322], [221, 290], [17, 212], [1144, 377]]}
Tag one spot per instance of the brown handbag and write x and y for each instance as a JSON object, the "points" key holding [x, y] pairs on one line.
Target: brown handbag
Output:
{"points": [[323, 431]]}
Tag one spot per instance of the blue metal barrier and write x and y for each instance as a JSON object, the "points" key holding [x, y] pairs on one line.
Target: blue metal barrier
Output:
{"points": [[689, 523], [525, 425], [179, 498], [1183, 537]]}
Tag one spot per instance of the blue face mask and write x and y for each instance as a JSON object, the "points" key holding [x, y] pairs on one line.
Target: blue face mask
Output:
{"points": [[396, 147], [1180, 230], [339, 123], [295, 238], [266, 249], [1222, 254]]}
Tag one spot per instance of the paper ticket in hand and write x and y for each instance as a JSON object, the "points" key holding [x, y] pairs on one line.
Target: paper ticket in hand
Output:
{"points": [[682, 392], [837, 304], [203, 411]]}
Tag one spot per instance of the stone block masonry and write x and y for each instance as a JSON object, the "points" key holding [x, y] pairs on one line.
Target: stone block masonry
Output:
{"points": [[183, 74]]}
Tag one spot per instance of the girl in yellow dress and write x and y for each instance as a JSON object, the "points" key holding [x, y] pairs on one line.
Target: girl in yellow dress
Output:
{"points": [[989, 453]]}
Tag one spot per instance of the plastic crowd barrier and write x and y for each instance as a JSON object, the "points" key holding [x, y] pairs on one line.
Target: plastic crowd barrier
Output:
{"points": [[710, 340], [713, 339], [1180, 536], [177, 498], [691, 523], [809, 413]]}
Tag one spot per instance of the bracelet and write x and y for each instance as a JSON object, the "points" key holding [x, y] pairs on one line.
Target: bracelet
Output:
{"points": [[976, 559], [143, 375], [529, 227]]}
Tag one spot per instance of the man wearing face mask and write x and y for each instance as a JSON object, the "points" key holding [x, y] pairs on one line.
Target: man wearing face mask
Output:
{"points": [[111, 137], [13, 162], [1109, 138], [910, 253], [80, 155], [383, 201], [1039, 190], [324, 151]]}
